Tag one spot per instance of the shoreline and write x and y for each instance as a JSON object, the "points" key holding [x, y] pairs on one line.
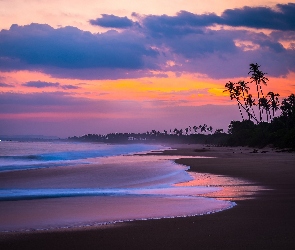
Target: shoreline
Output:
{"points": [[266, 222]]}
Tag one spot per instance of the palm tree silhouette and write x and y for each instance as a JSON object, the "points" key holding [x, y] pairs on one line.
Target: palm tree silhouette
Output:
{"points": [[264, 103], [274, 102], [195, 128], [210, 129], [243, 87], [186, 131], [203, 128], [235, 92], [258, 77], [249, 102], [288, 106]]}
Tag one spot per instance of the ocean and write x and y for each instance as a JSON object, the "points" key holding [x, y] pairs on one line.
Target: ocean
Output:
{"points": [[59, 184]]}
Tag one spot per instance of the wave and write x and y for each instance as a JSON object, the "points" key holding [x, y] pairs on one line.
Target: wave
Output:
{"points": [[65, 154], [32, 194], [21, 157], [82, 154]]}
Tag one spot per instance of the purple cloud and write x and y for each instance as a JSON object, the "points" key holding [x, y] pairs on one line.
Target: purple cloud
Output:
{"points": [[111, 21], [262, 17], [69, 86], [40, 84], [183, 23], [143, 50], [41, 46], [255, 17], [5, 85]]}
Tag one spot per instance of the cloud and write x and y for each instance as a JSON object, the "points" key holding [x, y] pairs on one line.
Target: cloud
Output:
{"points": [[5, 85], [143, 50], [40, 84], [283, 35], [183, 23], [69, 86], [111, 21], [199, 45], [262, 17], [41, 46], [281, 18]]}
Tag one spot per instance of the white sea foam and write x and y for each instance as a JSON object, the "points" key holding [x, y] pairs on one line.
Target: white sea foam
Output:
{"points": [[16, 155]]}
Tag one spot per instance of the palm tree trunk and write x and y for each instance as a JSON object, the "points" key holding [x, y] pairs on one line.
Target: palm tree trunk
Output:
{"points": [[240, 111], [241, 105], [260, 112], [254, 116]]}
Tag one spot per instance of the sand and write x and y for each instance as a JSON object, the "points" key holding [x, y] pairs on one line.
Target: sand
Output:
{"points": [[260, 220]]}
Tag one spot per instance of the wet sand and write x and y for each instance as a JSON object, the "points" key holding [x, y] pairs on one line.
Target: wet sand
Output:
{"points": [[265, 221]]}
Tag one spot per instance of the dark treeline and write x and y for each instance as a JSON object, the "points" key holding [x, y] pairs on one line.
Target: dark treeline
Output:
{"points": [[272, 124], [192, 134], [280, 132]]}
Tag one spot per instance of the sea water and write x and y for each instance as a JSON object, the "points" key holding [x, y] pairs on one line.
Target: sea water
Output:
{"points": [[16, 155], [60, 184]]}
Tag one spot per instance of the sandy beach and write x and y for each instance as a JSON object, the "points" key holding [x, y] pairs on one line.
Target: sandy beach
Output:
{"points": [[261, 220]]}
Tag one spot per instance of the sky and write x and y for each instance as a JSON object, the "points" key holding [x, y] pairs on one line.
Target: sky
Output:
{"points": [[78, 67]]}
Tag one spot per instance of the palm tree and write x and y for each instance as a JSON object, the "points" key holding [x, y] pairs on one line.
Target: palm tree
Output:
{"points": [[234, 93], [243, 87], [288, 106], [186, 131], [195, 128], [258, 77], [238, 90], [249, 102], [230, 88], [264, 103], [203, 128], [274, 100], [210, 129]]}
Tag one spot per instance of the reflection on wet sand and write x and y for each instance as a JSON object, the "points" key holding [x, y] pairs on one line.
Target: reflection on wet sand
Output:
{"points": [[230, 189]]}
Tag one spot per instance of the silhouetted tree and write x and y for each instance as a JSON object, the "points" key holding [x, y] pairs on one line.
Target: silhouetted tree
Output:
{"points": [[274, 102], [258, 77], [288, 106], [264, 104], [195, 128], [249, 102], [210, 129], [240, 90]]}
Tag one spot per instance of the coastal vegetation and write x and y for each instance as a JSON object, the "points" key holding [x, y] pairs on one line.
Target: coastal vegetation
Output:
{"points": [[191, 134], [265, 120]]}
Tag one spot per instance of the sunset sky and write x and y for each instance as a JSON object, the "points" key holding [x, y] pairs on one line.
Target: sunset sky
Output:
{"points": [[99, 66]]}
